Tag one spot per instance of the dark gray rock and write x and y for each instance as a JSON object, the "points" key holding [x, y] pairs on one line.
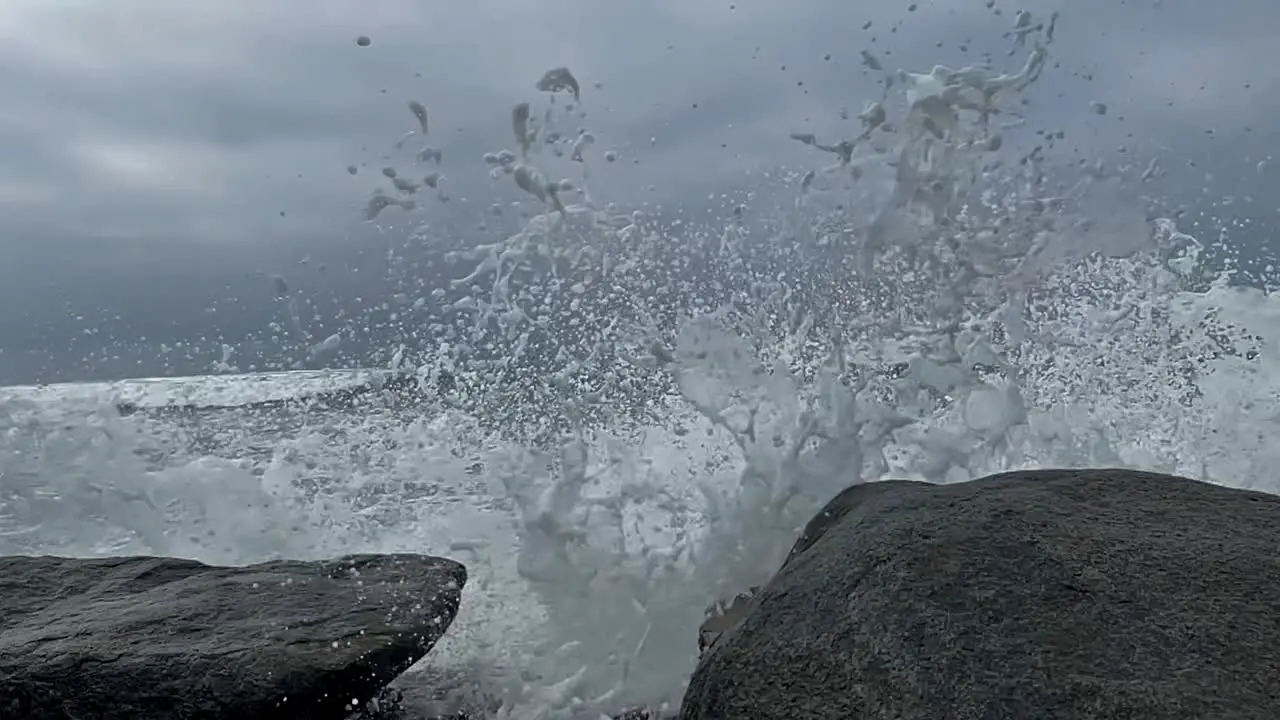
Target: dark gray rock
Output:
{"points": [[1038, 594], [145, 637]]}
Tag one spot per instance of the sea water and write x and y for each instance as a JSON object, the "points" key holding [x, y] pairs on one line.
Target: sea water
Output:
{"points": [[639, 414]]}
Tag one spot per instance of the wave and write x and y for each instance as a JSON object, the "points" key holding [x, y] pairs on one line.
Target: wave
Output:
{"points": [[618, 420]]}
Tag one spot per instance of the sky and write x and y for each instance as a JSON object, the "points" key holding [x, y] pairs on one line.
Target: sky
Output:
{"points": [[162, 160]]}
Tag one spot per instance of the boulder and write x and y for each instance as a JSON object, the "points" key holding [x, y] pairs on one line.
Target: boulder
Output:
{"points": [[721, 616], [1038, 594], [154, 637]]}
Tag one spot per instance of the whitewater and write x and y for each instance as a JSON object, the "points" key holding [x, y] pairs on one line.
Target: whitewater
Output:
{"points": [[623, 418]]}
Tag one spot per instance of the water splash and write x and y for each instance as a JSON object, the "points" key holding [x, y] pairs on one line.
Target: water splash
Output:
{"points": [[926, 334], [639, 416]]}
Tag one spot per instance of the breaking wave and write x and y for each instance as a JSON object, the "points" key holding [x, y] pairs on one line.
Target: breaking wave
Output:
{"points": [[617, 419]]}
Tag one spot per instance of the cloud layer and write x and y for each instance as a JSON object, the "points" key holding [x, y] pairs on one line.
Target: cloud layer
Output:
{"points": [[160, 156]]}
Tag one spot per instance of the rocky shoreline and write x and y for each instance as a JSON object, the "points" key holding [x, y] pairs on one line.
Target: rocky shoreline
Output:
{"points": [[143, 637], [1056, 593]]}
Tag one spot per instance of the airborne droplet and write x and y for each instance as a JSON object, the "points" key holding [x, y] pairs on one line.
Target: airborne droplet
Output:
{"points": [[557, 79], [419, 111]]}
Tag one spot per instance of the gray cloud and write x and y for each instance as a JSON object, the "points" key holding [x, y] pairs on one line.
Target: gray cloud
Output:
{"points": [[158, 154]]}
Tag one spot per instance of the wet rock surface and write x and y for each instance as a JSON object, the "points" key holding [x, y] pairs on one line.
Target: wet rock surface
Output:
{"points": [[150, 637], [1035, 594]]}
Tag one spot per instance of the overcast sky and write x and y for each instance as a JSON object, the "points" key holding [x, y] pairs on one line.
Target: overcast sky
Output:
{"points": [[159, 157]]}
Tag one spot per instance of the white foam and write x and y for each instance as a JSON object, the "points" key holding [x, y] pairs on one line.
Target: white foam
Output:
{"points": [[920, 314]]}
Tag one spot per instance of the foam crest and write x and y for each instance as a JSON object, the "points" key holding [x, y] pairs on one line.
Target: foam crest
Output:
{"points": [[635, 417]]}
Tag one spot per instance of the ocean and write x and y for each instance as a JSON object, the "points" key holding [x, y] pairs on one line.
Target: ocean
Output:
{"points": [[617, 420]]}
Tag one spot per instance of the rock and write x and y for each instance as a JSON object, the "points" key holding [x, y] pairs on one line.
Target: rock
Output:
{"points": [[1037, 594], [722, 616], [150, 637]]}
